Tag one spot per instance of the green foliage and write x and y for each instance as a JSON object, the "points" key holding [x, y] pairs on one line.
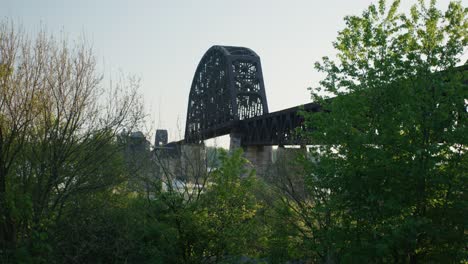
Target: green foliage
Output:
{"points": [[98, 229], [213, 156], [39, 222], [225, 224], [228, 212], [393, 142], [57, 137], [386, 184], [286, 241]]}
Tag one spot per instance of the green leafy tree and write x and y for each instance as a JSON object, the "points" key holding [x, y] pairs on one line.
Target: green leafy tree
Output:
{"points": [[230, 212], [57, 135], [391, 146], [221, 222], [99, 228], [290, 208]]}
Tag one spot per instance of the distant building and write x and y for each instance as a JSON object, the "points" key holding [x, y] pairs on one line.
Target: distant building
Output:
{"points": [[138, 156]]}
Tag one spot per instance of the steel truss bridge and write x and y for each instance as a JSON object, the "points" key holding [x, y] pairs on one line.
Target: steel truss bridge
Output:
{"points": [[227, 96]]}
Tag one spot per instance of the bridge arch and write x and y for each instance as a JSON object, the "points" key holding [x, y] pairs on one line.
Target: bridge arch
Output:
{"points": [[227, 87]]}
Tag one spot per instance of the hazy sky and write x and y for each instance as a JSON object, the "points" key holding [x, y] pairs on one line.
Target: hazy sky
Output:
{"points": [[163, 41]]}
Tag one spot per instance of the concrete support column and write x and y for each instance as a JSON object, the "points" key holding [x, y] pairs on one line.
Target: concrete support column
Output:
{"points": [[235, 141], [288, 154], [260, 157]]}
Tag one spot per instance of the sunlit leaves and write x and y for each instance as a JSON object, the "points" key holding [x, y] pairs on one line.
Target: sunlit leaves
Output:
{"points": [[387, 139]]}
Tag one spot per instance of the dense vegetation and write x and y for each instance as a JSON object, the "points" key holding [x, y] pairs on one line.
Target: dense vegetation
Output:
{"points": [[393, 155], [384, 182]]}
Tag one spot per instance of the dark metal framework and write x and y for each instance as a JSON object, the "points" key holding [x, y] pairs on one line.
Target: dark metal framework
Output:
{"points": [[228, 96], [227, 87], [277, 128]]}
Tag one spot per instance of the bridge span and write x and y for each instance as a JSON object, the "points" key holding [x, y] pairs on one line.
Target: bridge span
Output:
{"points": [[227, 97]]}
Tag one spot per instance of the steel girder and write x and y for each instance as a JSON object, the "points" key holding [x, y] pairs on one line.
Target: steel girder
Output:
{"points": [[277, 128]]}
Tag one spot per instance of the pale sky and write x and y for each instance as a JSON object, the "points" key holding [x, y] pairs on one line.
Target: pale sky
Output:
{"points": [[162, 41]]}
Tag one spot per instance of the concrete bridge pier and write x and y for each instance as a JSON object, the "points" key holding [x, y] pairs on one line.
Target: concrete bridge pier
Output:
{"points": [[259, 156], [235, 140], [283, 153]]}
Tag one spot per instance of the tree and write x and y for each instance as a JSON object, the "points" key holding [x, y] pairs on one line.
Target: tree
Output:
{"points": [[219, 218], [391, 143], [58, 127], [230, 212], [290, 207]]}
